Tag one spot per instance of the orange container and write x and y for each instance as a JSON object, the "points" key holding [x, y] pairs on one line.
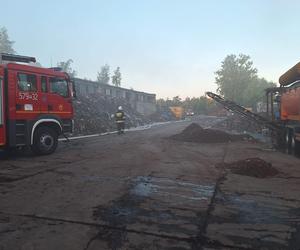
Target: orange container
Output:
{"points": [[290, 104]]}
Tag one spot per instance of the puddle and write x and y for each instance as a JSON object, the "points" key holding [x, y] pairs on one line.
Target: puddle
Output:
{"points": [[158, 205], [146, 186], [144, 189], [250, 214], [149, 186], [93, 178]]}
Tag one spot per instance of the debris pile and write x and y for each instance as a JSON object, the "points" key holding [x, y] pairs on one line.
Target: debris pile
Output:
{"points": [[254, 167], [238, 124], [195, 133], [92, 114]]}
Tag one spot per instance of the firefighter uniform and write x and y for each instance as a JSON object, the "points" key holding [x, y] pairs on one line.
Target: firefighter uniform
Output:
{"points": [[120, 120]]}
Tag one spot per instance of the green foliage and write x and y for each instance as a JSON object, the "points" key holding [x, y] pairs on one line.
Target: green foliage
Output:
{"points": [[6, 45], [103, 76], [237, 80], [66, 67], [255, 92], [116, 78], [176, 101], [199, 105]]}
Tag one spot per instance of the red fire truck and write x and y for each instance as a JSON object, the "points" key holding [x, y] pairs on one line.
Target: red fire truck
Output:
{"points": [[35, 104]]}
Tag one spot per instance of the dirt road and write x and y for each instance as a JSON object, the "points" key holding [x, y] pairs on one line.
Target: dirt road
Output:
{"points": [[142, 190]]}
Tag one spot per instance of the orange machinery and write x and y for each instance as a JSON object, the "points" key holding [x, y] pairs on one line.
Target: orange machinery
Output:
{"points": [[283, 106], [283, 110], [177, 111], [290, 94]]}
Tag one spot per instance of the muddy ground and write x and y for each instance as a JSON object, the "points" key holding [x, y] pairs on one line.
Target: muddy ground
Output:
{"points": [[143, 190]]}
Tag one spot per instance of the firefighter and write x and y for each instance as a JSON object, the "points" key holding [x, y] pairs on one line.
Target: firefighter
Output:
{"points": [[120, 120]]}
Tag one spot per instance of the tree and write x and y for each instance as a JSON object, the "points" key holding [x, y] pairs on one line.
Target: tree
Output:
{"points": [[116, 78], [176, 101], [6, 45], [237, 80], [103, 76], [255, 92], [199, 105], [66, 67]]}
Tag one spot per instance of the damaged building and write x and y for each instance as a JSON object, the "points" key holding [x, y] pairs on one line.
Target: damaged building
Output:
{"points": [[143, 103]]}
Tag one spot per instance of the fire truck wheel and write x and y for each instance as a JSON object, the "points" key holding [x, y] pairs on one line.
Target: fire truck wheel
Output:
{"points": [[293, 144], [45, 141], [297, 148], [287, 142]]}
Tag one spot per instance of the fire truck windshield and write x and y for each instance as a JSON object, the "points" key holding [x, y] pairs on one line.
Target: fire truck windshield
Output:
{"points": [[59, 86]]}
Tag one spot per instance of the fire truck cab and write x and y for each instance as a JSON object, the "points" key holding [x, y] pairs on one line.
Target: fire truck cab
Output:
{"points": [[35, 105]]}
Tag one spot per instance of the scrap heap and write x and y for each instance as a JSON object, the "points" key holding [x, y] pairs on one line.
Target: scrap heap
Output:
{"points": [[93, 114]]}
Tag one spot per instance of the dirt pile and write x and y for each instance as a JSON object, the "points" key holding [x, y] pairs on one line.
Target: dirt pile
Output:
{"points": [[254, 167], [195, 133], [238, 124]]}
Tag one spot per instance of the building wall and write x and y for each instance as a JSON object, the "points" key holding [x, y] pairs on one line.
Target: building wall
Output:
{"points": [[143, 103], [145, 108]]}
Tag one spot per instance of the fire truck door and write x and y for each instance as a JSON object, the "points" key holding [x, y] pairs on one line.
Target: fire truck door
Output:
{"points": [[43, 98], [2, 121], [59, 98]]}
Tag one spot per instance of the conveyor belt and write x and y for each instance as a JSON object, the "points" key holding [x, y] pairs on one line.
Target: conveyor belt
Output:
{"points": [[234, 107]]}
